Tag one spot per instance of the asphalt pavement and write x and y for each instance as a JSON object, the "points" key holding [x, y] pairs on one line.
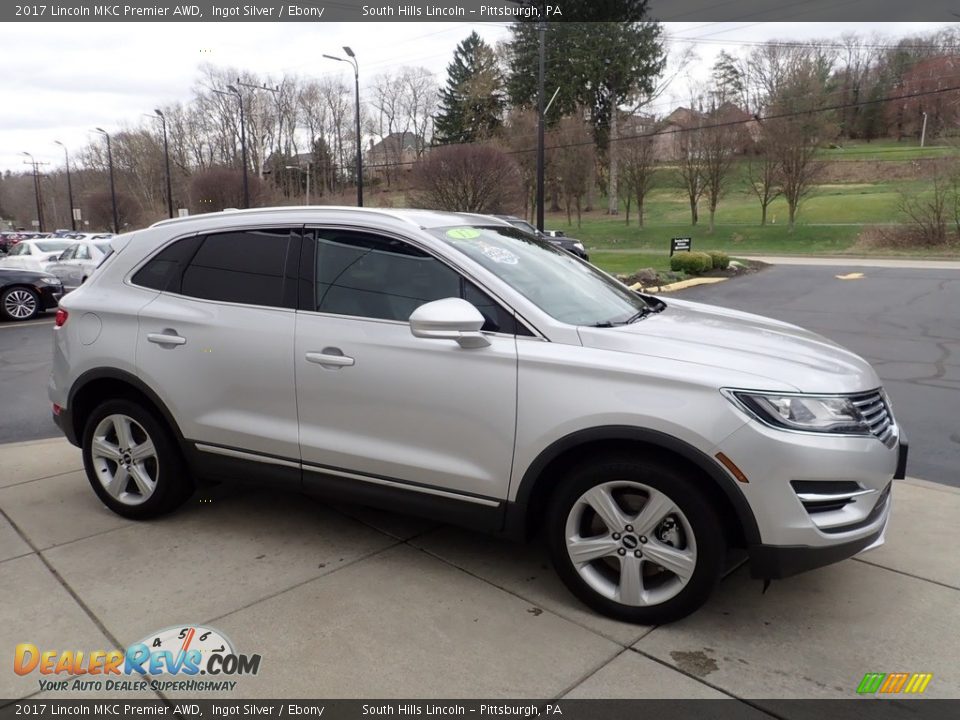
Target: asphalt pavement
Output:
{"points": [[25, 355], [905, 321]]}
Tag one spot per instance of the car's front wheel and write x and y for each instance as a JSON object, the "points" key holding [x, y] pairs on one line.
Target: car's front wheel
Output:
{"points": [[635, 539], [132, 462], [19, 303]]}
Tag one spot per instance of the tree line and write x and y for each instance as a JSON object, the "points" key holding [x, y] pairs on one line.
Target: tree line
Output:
{"points": [[766, 111]]}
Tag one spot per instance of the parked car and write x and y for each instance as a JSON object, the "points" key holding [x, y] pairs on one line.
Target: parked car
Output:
{"points": [[24, 294], [453, 366], [34, 254], [552, 236], [75, 264]]}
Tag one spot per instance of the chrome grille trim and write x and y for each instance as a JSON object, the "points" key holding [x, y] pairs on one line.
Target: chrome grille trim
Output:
{"points": [[875, 412]]}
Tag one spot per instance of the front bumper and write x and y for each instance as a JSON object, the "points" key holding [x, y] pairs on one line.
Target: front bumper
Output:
{"points": [[773, 562], [779, 561]]}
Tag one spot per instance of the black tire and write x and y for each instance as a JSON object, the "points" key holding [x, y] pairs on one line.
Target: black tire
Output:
{"points": [[709, 548], [13, 298], [173, 483]]}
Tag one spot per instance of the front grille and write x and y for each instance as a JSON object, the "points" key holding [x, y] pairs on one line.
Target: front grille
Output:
{"points": [[876, 414]]}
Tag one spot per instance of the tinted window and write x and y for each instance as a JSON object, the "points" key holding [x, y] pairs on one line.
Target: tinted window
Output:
{"points": [[377, 277], [165, 270], [241, 267]]}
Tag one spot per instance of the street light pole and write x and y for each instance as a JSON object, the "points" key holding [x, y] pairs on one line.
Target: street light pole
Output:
{"points": [[166, 157], [66, 160], [356, 82], [243, 142], [36, 189], [113, 191], [541, 30]]}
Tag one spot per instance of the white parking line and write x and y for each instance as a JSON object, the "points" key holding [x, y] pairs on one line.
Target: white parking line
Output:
{"points": [[7, 326]]}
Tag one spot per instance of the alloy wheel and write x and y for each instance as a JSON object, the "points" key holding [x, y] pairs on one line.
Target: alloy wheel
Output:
{"points": [[20, 304], [125, 459], [631, 543]]}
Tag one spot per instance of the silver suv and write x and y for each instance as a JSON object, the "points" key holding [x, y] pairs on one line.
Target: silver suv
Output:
{"points": [[452, 366]]}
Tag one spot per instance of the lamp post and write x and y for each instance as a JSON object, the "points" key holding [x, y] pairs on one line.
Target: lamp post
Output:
{"points": [[66, 160], [356, 82], [307, 171], [113, 190], [36, 189], [166, 159], [231, 90]]}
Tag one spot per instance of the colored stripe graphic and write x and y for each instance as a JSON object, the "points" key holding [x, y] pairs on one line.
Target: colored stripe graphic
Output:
{"points": [[870, 683], [893, 683]]}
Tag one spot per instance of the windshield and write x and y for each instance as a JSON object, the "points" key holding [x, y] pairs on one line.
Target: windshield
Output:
{"points": [[562, 286], [54, 245]]}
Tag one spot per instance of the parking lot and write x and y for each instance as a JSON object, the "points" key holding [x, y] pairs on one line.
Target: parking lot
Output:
{"points": [[342, 601]]}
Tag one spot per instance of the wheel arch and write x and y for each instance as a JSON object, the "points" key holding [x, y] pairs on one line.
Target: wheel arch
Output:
{"points": [[526, 512], [94, 386]]}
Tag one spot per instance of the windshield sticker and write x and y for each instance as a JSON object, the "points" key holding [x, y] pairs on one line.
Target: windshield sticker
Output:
{"points": [[498, 254], [463, 233]]}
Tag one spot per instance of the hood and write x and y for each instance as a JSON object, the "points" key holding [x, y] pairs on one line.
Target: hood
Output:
{"points": [[742, 342]]}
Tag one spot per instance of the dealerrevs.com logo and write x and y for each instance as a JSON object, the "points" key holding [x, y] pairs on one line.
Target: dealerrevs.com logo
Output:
{"points": [[183, 657]]}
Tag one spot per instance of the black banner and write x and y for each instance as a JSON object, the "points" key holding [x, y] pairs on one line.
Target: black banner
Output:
{"points": [[858, 709], [473, 11]]}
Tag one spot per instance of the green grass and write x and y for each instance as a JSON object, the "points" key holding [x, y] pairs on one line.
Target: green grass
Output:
{"points": [[628, 263], [906, 149]]}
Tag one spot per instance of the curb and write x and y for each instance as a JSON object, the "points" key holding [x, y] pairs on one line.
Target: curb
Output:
{"points": [[679, 285]]}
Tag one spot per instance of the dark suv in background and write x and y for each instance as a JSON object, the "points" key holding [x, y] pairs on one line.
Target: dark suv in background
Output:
{"points": [[571, 245]]}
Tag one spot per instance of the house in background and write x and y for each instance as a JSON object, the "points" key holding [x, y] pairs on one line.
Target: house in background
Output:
{"points": [[396, 152]]}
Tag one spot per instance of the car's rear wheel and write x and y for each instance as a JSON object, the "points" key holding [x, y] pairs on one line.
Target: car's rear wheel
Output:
{"points": [[132, 462], [19, 303], [635, 539]]}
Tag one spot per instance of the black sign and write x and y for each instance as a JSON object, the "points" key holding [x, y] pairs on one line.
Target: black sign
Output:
{"points": [[680, 245]]}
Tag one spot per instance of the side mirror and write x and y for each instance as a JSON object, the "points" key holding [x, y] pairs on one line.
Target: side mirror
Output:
{"points": [[449, 319]]}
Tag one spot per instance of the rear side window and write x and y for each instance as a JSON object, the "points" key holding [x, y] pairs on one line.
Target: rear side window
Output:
{"points": [[240, 267], [165, 270]]}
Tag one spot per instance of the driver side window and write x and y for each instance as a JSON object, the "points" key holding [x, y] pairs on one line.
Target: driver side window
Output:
{"points": [[367, 275]]}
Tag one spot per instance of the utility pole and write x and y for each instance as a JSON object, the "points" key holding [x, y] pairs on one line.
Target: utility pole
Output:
{"points": [[36, 187], [66, 160], [113, 191], [923, 133], [542, 31], [166, 158]]}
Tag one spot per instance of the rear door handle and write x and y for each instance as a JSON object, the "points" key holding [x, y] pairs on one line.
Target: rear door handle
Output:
{"points": [[166, 339], [330, 357]]}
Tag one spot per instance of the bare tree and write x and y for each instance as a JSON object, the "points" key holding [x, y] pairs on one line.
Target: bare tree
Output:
{"points": [[718, 143], [573, 166], [765, 178], [467, 178], [690, 168], [637, 172]]}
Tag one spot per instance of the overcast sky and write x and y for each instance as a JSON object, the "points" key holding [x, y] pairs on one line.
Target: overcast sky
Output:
{"points": [[60, 80]]}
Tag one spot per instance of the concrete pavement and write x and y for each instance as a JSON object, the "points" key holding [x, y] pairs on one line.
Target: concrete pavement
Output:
{"points": [[351, 602]]}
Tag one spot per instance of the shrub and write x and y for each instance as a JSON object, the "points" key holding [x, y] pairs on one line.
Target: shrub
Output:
{"points": [[721, 261], [692, 263]]}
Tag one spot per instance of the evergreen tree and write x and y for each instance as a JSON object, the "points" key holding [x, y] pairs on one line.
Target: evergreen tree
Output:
{"points": [[596, 64], [472, 102]]}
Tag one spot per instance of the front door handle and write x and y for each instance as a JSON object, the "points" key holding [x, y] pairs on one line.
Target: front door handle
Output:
{"points": [[166, 339], [330, 358]]}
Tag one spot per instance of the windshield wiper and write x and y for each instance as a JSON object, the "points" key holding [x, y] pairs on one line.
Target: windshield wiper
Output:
{"points": [[639, 315]]}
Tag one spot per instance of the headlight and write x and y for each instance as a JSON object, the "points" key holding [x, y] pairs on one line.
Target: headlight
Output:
{"points": [[578, 246], [810, 413], [50, 281]]}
